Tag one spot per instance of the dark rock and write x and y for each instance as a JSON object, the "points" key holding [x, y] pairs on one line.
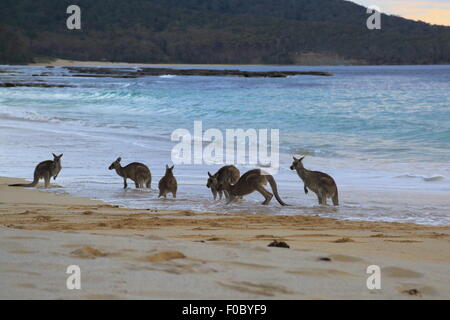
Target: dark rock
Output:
{"points": [[413, 292], [324, 259], [135, 73], [33, 84], [279, 244]]}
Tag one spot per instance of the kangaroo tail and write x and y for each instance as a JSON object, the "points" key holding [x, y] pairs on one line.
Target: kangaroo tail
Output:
{"points": [[273, 185], [335, 198], [26, 185]]}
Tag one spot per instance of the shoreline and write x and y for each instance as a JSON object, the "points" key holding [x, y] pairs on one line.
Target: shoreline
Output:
{"points": [[78, 63], [75, 63], [156, 254]]}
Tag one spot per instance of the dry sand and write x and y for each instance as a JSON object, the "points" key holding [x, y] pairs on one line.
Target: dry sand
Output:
{"points": [[149, 254]]}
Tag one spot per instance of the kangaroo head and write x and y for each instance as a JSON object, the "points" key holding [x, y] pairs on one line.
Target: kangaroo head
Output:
{"points": [[115, 164], [297, 163], [212, 183], [57, 159], [169, 170]]}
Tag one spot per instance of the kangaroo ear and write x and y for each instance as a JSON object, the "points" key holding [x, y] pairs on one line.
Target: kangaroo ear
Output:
{"points": [[302, 158], [54, 155], [295, 159], [119, 159], [60, 155], [209, 174], [167, 167], [171, 168]]}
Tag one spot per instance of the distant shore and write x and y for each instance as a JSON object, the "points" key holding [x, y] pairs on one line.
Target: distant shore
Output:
{"points": [[76, 63], [155, 254]]}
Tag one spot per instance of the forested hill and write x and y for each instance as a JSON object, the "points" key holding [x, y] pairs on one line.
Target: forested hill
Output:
{"points": [[216, 31]]}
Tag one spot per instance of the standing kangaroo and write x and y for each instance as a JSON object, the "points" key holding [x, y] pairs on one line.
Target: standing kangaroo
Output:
{"points": [[320, 183], [138, 172], [251, 181], [168, 183], [227, 174], [45, 169]]}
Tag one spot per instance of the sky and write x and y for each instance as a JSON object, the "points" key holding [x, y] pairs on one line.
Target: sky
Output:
{"points": [[431, 11]]}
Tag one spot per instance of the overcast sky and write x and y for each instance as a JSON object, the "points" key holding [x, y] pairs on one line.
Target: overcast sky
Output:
{"points": [[432, 11]]}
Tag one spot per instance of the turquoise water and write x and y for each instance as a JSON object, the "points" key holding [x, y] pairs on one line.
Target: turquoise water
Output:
{"points": [[382, 132]]}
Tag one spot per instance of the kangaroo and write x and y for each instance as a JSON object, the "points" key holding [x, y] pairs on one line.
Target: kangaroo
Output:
{"points": [[227, 174], [251, 181], [168, 183], [45, 169], [320, 183], [138, 172]]}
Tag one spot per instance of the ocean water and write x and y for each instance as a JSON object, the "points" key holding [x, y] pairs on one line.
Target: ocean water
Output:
{"points": [[383, 133]]}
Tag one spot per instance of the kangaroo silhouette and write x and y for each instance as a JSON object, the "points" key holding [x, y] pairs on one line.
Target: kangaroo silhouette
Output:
{"points": [[44, 170], [136, 171], [320, 183]]}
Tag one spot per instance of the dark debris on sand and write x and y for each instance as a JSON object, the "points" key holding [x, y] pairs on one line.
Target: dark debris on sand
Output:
{"points": [[324, 259], [279, 244]]}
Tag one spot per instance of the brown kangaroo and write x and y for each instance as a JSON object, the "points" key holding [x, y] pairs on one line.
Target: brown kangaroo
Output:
{"points": [[138, 172], [227, 174], [168, 183], [251, 181], [320, 183], [45, 169]]}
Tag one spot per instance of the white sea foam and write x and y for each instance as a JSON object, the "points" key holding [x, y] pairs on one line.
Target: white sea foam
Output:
{"points": [[168, 76], [422, 177]]}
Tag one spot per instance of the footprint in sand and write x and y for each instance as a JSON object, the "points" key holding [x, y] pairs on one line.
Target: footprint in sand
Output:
{"points": [[88, 253], [266, 237], [26, 285], [256, 288], [215, 239], [320, 272], [175, 262], [153, 237], [403, 241], [396, 272], [102, 297], [344, 258], [344, 240], [25, 238], [164, 256], [22, 251], [417, 290], [252, 266]]}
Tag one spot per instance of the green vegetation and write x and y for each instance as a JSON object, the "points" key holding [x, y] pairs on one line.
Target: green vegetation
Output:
{"points": [[216, 31]]}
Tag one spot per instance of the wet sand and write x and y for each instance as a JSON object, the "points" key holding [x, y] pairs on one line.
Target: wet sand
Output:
{"points": [[154, 254]]}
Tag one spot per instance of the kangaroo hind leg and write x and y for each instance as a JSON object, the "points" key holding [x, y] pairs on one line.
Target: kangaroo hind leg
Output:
{"points": [[319, 197], [266, 194], [335, 198], [323, 195], [47, 179]]}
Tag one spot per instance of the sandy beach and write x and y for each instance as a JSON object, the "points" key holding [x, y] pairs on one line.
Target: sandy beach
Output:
{"points": [[153, 254]]}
